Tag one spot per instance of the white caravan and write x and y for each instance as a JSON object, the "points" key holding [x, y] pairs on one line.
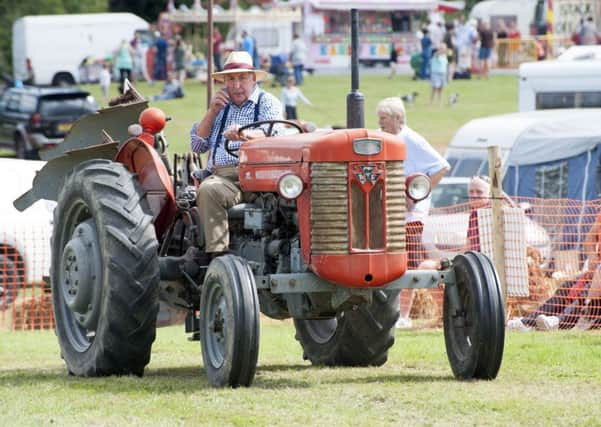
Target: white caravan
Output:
{"points": [[561, 83]]}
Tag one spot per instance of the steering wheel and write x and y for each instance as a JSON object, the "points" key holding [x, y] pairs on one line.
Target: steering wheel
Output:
{"points": [[233, 151]]}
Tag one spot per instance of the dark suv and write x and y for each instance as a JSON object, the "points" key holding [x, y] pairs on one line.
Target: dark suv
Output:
{"points": [[34, 118]]}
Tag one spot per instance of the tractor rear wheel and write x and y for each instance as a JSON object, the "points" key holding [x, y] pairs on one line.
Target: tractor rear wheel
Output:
{"points": [[229, 322], [105, 272], [358, 337], [474, 318]]}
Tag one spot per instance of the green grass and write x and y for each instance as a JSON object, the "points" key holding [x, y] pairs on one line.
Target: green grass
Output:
{"points": [[478, 98], [546, 379]]}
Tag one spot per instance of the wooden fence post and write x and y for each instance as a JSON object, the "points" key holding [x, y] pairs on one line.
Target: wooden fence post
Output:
{"points": [[498, 221]]}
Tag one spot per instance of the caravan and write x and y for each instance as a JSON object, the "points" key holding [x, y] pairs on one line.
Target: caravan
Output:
{"points": [[561, 83], [545, 154]]}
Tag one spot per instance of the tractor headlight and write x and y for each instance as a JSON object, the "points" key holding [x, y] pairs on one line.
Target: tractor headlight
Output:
{"points": [[367, 146], [290, 186], [418, 187]]}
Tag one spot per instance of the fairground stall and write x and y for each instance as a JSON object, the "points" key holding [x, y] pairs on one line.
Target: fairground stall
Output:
{"points": [[384, 24]]}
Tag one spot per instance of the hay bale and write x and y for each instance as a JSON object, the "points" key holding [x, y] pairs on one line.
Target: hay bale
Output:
{"points": [[34, 313], [425, 305]]}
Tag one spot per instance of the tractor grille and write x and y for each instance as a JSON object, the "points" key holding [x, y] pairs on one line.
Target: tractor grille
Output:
{"points": [[329, 208], [395, 207], [330, 231]]}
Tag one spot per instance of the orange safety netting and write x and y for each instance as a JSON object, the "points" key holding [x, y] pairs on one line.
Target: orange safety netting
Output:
{"points": [[25, 301], [551, 253]]}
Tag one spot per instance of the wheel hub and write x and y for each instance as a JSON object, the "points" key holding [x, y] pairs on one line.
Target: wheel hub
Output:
{"points": [[80, 274]]}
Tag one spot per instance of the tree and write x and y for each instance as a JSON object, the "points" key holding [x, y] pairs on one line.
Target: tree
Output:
{"points": [[11, 10]]}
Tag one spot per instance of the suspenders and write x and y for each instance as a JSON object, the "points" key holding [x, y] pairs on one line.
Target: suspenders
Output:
{"points": [[224, 119]]}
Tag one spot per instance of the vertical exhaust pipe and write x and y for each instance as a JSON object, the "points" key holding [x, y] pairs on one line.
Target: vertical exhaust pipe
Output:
{"points": [[355, 100]]}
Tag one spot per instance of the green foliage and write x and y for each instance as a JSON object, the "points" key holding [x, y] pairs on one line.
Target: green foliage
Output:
{"points": [[11, 10]]}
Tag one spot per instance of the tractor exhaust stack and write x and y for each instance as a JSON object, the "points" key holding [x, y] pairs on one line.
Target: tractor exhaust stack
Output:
{"points": [[354, 100]]}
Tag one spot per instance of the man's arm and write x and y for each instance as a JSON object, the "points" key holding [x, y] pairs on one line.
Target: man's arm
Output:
{"points": [[436, 177]]}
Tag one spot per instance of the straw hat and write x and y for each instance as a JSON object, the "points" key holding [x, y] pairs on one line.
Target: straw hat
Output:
{"points": [[238, 62]]}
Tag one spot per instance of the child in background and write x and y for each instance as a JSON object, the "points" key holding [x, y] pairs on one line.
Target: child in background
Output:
{"points": [[438, 73], [105, 82], [290, 96]]}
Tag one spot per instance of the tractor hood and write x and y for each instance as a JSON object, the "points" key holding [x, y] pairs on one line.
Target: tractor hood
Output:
{"points": [[320, 146]]}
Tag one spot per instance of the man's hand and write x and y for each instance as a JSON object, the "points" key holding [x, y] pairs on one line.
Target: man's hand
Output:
{"points": [[219, 101], [231, 133]]}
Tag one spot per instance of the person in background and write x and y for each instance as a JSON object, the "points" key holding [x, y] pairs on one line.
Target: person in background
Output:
{"points": [[426, 45], [160, 58], [487, 43], [241, 102], [217, 39], [465, 37], [124, 62], [290, 96], [479, 198], [171, 90], [393, 60], [104, 80], [298, 56], [179, 57], [438, 74], [421, 157], [449, 41], [247, 43], [588, 33]]}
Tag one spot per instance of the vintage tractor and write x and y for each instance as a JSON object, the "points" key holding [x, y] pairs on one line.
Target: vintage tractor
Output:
{"points": [[320, 239]]}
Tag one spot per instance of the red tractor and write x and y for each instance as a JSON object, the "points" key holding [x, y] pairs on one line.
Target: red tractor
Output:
{"points": [[321, 240]]}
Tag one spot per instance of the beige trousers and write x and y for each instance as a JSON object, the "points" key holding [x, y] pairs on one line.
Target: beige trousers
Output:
{"points": [[216, 194]]}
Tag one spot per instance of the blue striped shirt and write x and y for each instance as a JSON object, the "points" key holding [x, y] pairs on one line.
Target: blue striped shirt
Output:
{"points": [[270, 109]]}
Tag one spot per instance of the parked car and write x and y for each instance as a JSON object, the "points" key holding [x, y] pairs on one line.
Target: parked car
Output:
{"points": [[445, 229], [34, 118], [24, 236]]}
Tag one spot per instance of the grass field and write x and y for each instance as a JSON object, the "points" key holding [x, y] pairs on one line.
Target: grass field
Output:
{"points": [[477, 98], [545, 379]]}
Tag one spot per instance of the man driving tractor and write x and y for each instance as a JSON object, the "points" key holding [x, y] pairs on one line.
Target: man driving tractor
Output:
{"points": [[241, 102]]}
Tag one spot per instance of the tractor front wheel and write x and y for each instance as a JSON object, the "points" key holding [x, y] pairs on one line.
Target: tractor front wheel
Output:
{"points": [[359, 337], [229, 322], [474, 318], [105, 271]]}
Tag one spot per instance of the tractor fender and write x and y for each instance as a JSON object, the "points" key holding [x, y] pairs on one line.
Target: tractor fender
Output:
{"points": [[143, 160]]}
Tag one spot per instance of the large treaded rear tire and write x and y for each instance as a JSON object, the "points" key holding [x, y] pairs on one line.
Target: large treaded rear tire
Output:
{"points": [[358, 337], [475, 332], [104, 253]]}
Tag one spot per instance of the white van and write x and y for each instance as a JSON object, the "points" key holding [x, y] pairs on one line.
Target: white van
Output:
{"points": [[49, 49], [560, 83]]}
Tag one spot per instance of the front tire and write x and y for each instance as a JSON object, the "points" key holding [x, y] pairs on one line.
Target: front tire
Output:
{"points": [[105, 272], [475, 329], [358, 337], [229, 322]]}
